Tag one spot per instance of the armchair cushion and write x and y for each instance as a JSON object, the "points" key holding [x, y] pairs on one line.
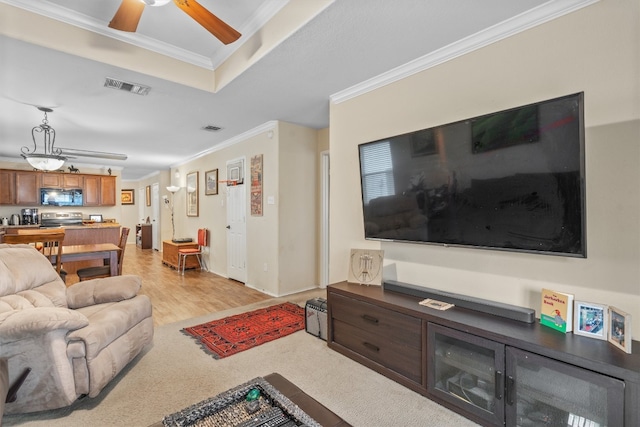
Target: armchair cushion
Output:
{"points": [[21, 324], [99, 291]]}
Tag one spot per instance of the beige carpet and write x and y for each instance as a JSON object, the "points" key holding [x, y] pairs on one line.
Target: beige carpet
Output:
{"points": [[174, 373]]}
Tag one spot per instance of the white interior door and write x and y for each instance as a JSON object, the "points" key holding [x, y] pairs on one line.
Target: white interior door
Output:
{"points": [[155, 216], [236, 233]]}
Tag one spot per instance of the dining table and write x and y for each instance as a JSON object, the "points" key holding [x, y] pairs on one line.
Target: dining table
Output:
{"points": [[104, 251]]}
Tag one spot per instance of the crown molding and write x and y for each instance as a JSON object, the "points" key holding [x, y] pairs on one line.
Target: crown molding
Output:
{"points": [[266, 11], [539, 15], [265, 127]]}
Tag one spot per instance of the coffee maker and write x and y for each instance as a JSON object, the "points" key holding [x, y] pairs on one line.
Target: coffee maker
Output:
{"points": [[30, 216]]}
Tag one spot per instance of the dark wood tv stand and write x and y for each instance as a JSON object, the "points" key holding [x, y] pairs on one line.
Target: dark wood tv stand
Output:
{"points": [[492, 370]]}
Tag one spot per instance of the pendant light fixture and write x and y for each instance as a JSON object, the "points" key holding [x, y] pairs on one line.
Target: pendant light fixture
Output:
{"points": [[50, 158]]}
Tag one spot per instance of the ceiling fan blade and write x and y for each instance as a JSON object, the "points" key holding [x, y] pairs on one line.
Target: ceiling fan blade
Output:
{"points": [[127, 16], [90, 153], [208, 20]]}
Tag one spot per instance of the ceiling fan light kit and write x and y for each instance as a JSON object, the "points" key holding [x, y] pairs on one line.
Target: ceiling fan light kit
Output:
{"points": [[51, 157]]}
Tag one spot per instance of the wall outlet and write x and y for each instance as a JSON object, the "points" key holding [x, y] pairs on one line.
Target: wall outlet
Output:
{"points": [[265, 267]]}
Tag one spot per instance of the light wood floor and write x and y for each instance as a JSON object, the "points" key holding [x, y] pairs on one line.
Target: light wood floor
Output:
{"points": [[176, 297]]}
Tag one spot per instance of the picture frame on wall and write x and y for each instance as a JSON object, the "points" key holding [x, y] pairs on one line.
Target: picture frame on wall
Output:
{"points": [[127, 197], [211, 182], [192, 194], [148, 195], [620, 329], [591, 320]]}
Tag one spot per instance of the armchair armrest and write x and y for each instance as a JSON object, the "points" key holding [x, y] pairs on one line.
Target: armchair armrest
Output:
{"points": [[99, 291], [20, 324]]}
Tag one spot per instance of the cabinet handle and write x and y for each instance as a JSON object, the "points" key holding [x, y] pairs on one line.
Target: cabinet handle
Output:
{"points": [[511, 389], [371, 346], [370, 318], [499, 385]]}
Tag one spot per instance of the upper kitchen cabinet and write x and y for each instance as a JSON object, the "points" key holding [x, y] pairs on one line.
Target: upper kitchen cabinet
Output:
{"points": [[99, 190], [27, 188], [61, 180], [7, 187], [21, 187]]}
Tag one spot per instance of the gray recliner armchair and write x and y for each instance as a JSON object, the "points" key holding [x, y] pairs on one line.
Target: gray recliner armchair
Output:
{"points": [[74, 340]]}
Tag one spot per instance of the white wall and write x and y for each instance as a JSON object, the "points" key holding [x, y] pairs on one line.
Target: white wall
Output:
{"points": [[299, 212], [595, 50], [281, 242]]}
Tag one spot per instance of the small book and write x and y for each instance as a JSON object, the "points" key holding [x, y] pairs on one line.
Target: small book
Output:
{"points": [[556, 310], [438, 305]]}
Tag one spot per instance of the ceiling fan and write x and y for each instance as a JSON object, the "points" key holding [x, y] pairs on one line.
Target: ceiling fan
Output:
{"points": [[128, 15]]}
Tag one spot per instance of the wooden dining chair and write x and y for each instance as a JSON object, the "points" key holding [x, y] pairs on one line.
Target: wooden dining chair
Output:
{"points": [[48, 241], [89, 273], [183, 253]]}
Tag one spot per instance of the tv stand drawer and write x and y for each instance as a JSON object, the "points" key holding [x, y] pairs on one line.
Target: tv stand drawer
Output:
{"points": [[401, 359], [387, 324]]}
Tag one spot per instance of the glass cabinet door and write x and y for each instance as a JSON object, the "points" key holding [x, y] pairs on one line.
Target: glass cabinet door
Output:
{"points": [[544, 392], [466, 371]]}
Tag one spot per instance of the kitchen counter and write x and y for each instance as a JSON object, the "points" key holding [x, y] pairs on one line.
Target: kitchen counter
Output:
{"points": [[94, 225]]}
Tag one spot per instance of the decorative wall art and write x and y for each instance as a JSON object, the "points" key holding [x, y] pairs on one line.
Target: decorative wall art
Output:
{"points": [[211, 182], [148, 195], [365, 266], [192, 194], [590, 320], [127, 197], [256, 185]]}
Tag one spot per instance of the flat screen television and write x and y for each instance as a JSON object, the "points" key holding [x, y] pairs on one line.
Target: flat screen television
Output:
{"points": [[511, 180]]}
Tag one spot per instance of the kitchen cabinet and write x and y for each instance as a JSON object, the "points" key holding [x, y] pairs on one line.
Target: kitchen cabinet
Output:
{"points": [[27, 189], [107, 190], [99, 190], [20, 187], [493, 370], [61, 180], [7, 187]]}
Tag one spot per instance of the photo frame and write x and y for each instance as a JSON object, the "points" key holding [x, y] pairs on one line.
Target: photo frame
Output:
{"points": [[148, 195], [192, 194], [591, 320], [211, 182], [127, 197], [620, 329]]}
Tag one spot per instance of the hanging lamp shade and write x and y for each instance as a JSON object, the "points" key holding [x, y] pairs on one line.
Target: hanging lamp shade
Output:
{"points": [[50, 158]]}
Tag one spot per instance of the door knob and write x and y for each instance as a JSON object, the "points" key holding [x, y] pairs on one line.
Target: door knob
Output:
{"points": [[228, 227]]}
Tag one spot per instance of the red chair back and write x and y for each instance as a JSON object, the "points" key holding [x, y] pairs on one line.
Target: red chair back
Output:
{"points": [[202, 237]]}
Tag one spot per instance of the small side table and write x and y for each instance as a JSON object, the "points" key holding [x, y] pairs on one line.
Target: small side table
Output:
{"points": [[143, 236], [170, 254]]}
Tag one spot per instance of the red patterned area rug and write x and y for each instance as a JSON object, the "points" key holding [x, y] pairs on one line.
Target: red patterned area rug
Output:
{"points": [[231, 335]]}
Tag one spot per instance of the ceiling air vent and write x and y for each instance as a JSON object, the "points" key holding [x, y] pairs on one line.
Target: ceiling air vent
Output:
{"points": [[126, 86], [212, 128]]}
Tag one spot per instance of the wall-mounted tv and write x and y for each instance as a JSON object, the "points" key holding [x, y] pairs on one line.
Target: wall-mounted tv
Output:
{"points": [[510, 180]]}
